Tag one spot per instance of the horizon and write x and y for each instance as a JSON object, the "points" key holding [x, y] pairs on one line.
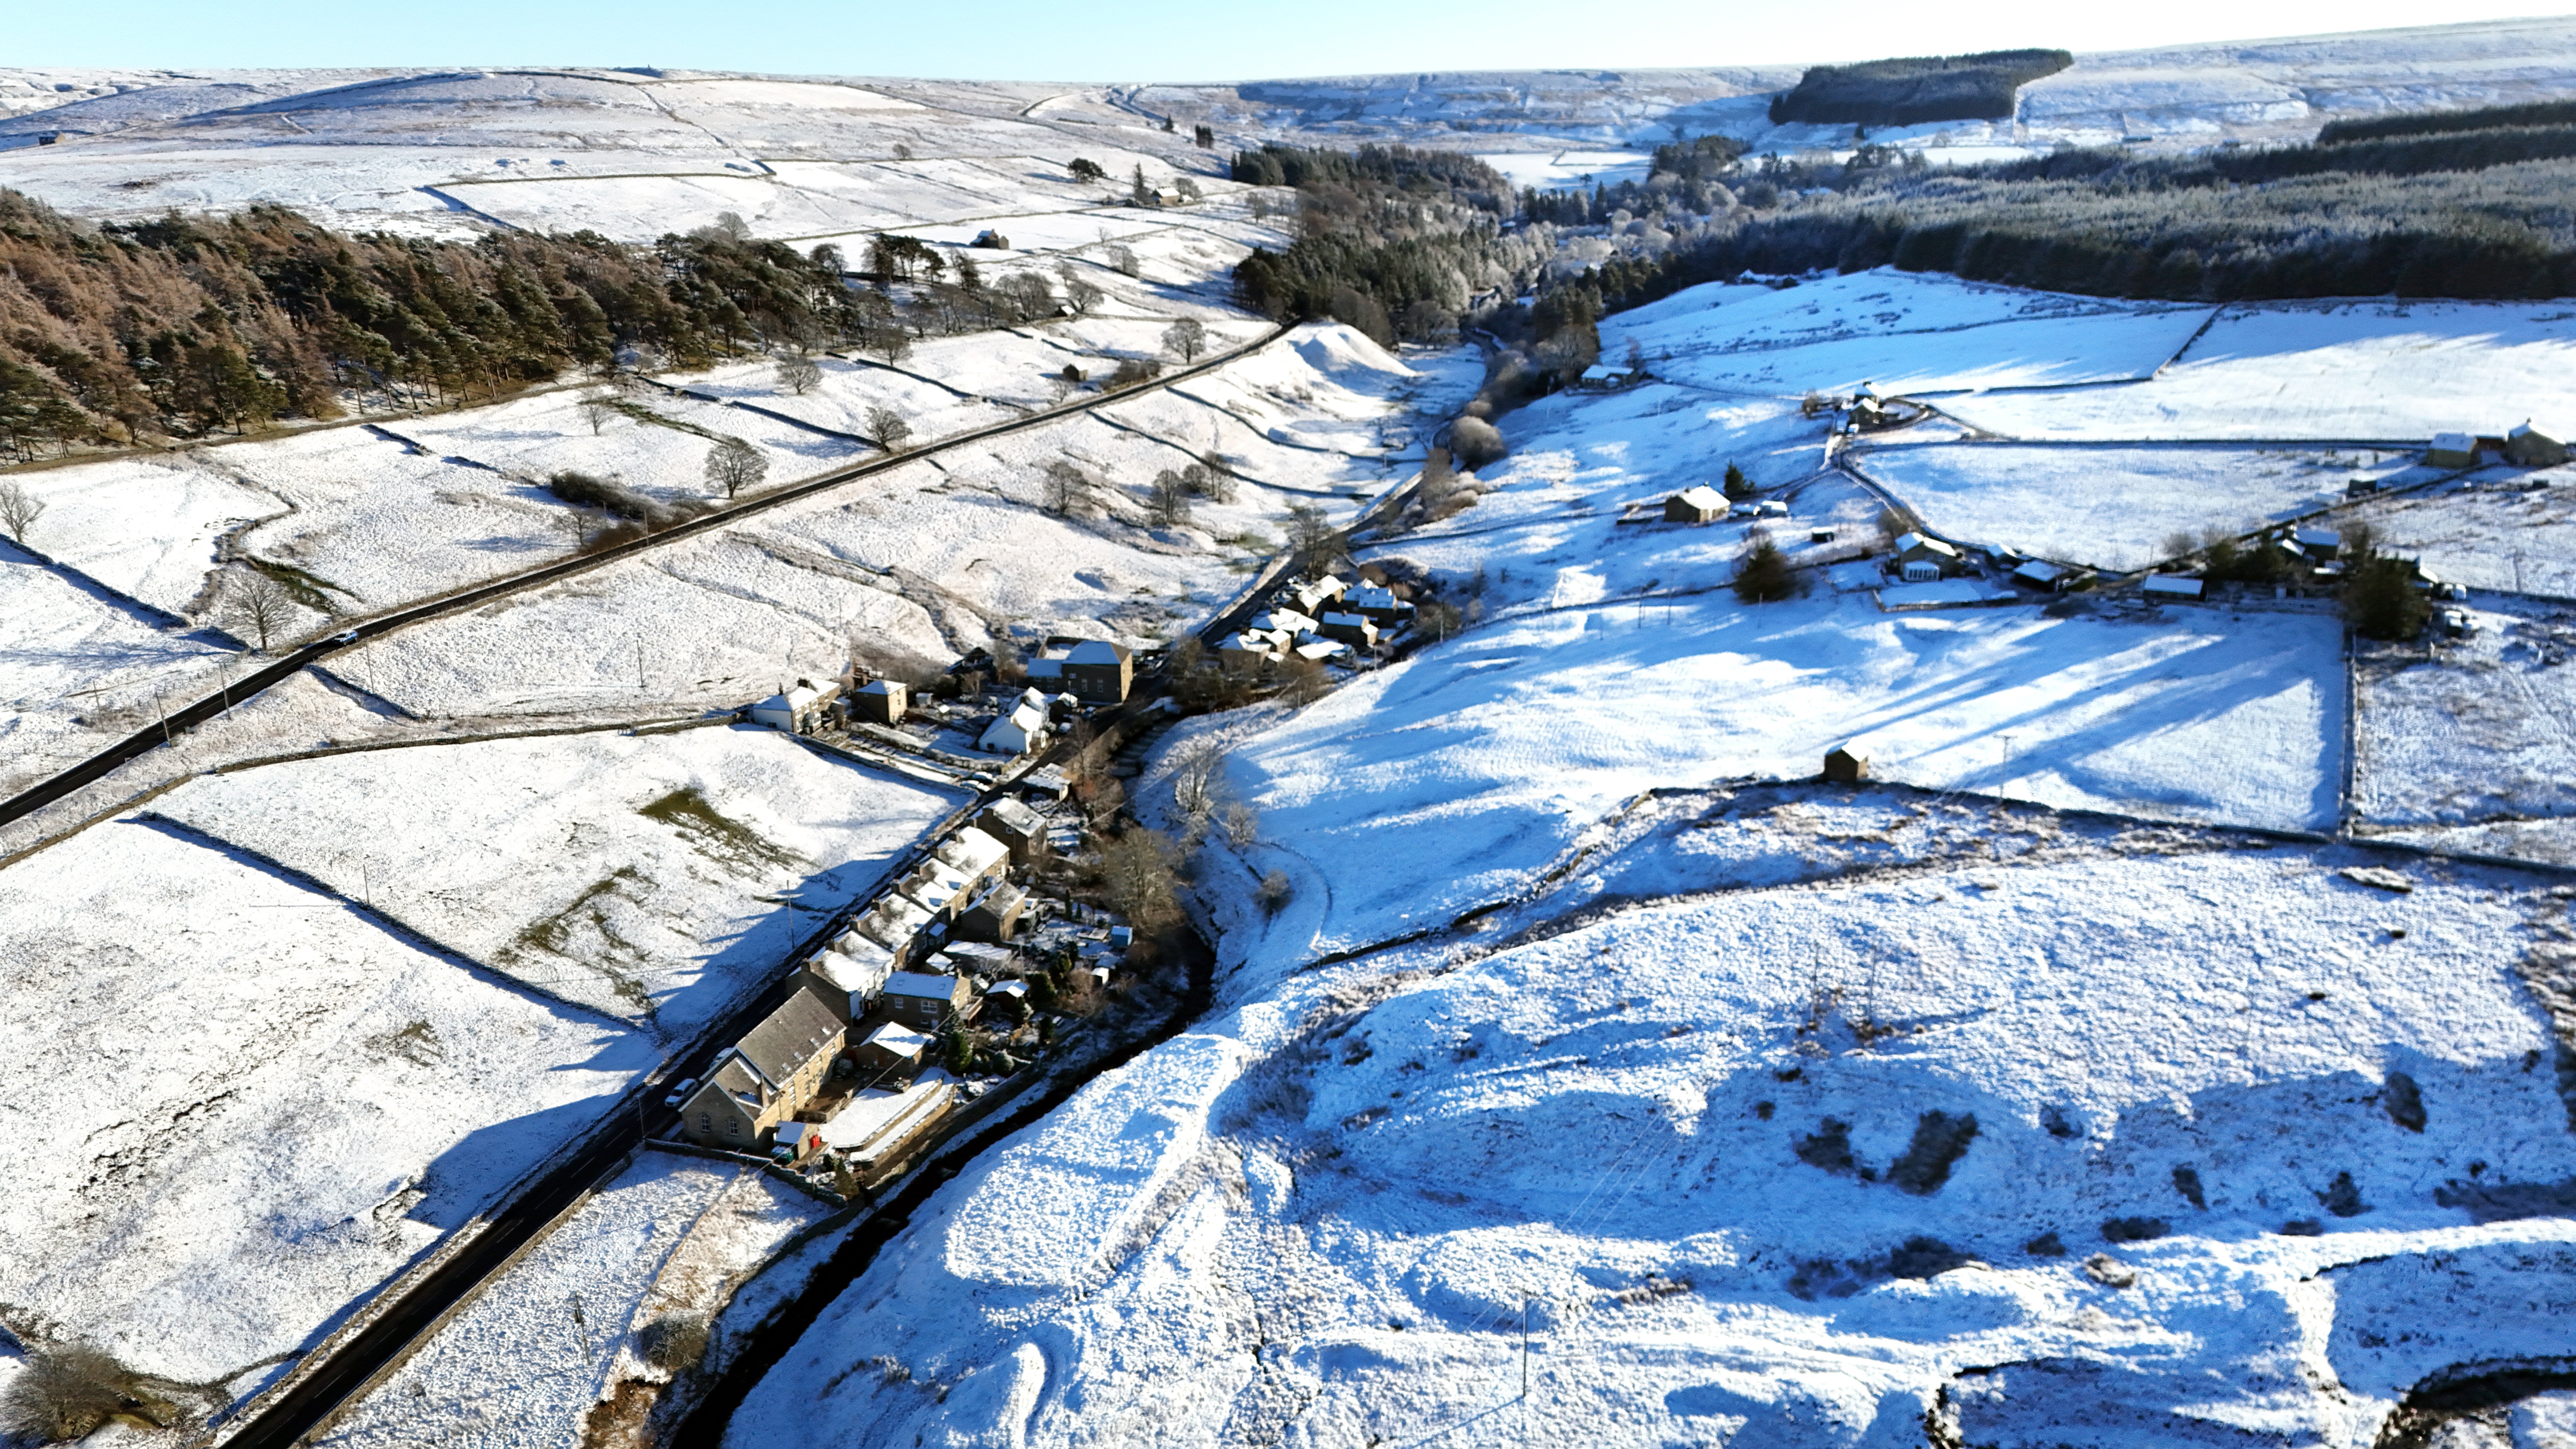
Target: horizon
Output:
{"points": [[1026, 44]]}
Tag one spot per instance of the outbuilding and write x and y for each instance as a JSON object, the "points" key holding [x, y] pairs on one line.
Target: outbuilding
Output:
{"points": [[1700, 504], [892, 1047], [918, 999], [2171, 586], [1353, 629], [2528, 447], [2319, 544], [1845, 765], [2452, 450], [2039, 574]]}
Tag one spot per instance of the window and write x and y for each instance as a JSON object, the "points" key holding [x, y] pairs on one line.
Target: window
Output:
{"points": [[733, 1126], [706, 1122]]}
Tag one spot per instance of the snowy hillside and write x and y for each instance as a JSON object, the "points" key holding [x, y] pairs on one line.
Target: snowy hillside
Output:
{"points": [[1817, 1115]]}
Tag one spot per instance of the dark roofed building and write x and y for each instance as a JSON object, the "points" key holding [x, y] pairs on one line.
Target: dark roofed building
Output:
{"points": [[1099, 672], [769, 1076], [1014, 824]]}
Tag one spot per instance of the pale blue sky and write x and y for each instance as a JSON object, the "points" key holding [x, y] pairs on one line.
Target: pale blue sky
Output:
{"points": [[1161, 40]]}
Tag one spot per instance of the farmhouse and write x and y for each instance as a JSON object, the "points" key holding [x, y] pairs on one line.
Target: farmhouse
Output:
{"points": [[927, 1002], [795, 711], [1921, 560], [1099, 672], [1700, 504], [882, 701], [1016, 732], [769, 1076]]}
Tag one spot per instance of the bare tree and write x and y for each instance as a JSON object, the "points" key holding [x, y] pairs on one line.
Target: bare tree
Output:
{"points": [[19, 509], [1186, 339], [596, 410], [891, 431], [1188, 188], [799, 373], [1311, 536], [1220, 475], [1242, 826], [1167, 501], [259, 605], [734, 465], [1123, 260], [1080, 292], [1068, 492], [1198, 785]]}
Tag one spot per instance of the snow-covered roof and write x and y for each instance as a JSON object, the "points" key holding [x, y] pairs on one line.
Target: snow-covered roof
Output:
{"points": [[1036, 698], [1010, 988], [2453, 443], [922, 985], [1322, 649], [1908, 542], [1098, 651], [2318, 538], [1288, 619], [973, 851], [2173, 586], [882, 687], [1702, 496], [894, 1038], [2039, 571]]}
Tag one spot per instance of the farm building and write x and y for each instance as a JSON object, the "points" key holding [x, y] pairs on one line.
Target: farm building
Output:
{"points": [[927, 1002], [1099, 672], [1700, 504], [2319, 544], [769, 1076], [882, 701], [1845, 765], [2040, 574], [1378, 605], [2171, 586], [2528, 447], [2452, 450], [795, 710]]}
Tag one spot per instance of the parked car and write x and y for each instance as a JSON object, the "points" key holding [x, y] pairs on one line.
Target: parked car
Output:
{"points": [[2457, 623], [680, 1093]]}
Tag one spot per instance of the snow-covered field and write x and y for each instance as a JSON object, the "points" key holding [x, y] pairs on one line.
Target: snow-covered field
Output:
{"points": [[1988, 1137], [529, 1361], [651, 878], [2330, 372], [2504, 528], [2114, 508], [2478, 734], [248, 1104]]}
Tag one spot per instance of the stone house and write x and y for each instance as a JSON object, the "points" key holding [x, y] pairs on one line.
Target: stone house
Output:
{"points": [[769, 1076]]}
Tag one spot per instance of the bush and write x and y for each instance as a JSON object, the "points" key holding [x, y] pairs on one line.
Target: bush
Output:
{"points": [[1275, 892], [1133, 370], [675, 1341], [1763, 576], [67, 1392], [581, 490], [1476, 442], [2380, 600]]}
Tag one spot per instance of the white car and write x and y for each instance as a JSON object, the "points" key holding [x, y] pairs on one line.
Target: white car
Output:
{"points": [[680, 1093]]}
